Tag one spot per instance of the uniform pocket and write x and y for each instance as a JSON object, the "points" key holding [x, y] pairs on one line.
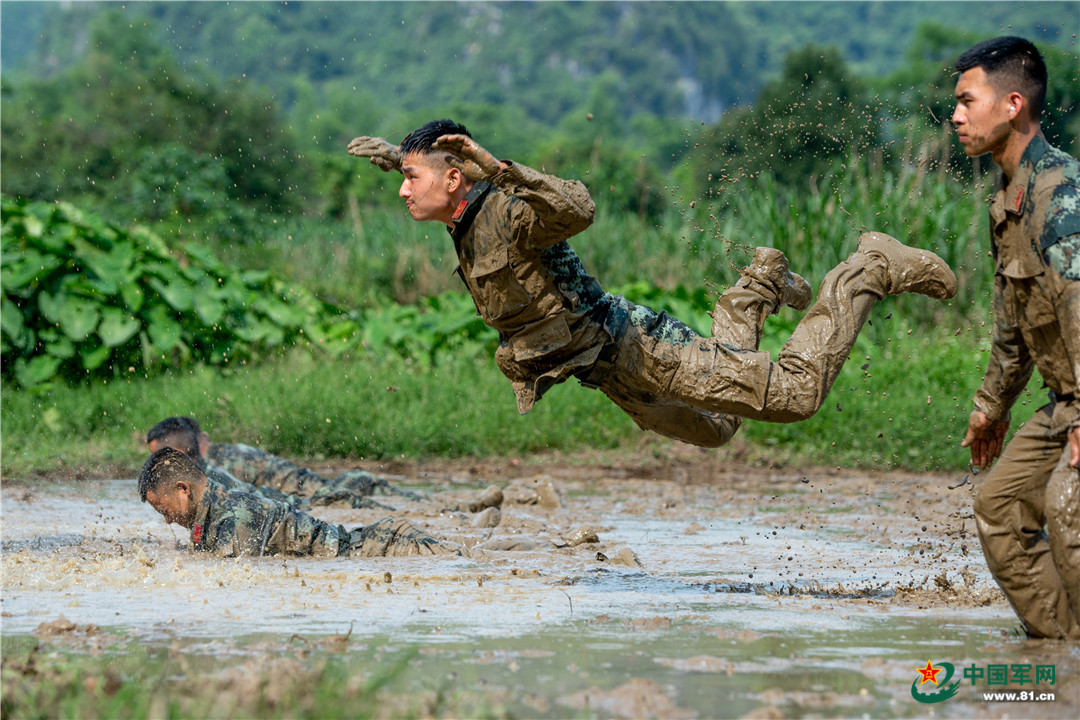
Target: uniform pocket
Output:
{"points": [[540, 338], [499, 291]]}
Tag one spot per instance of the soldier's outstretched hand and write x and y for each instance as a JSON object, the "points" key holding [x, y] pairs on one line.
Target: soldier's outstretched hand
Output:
{"points": [[476, 162], [383, 154], [985, 437]]}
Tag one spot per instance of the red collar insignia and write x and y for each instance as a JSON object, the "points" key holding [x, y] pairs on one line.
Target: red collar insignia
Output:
{"points": [[196, 534], [460, 209], [1018, 200]]}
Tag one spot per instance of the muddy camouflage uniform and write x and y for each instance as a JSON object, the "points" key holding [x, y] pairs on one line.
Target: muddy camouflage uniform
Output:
{"points": [[555, 321], [1035, 239], [264, 470], [234, 524], [230, 482]]}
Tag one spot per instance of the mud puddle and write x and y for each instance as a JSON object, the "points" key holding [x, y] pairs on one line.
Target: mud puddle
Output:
{"points": [[751, 596]]}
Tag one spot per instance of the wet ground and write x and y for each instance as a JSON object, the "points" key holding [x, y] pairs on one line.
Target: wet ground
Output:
{"points": [[703, 591]]}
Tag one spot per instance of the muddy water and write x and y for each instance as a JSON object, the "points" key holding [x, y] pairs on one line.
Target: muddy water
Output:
{"points": [[806, 596]]}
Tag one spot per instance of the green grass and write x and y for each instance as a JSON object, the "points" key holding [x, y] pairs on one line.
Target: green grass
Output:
{"points": [[129, 680], [908, 409]]}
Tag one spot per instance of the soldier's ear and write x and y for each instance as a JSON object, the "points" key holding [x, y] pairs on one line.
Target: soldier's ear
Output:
{"points": [[183, 487]]}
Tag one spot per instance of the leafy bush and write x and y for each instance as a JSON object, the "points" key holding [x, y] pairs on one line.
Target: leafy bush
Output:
{"points": [[85, 298]]}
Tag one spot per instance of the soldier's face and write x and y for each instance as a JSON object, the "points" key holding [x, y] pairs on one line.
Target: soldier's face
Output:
{"points": [[174, 503], [982, 114], [426, 188]]}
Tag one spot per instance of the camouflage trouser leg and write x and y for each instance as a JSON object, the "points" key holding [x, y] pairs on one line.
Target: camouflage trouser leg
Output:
{"points": [[1010, 509], [813, 356], [695, 389], [652, 348], [397, 537], [1063, 528]]}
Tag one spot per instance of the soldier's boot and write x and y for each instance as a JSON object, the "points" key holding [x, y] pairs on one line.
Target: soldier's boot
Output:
{"points": [[770, 268], [908, 269], [397, 537], [766, 285]]}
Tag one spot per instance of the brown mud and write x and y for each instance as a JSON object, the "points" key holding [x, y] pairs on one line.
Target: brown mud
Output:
{"points": [[669, 586]]}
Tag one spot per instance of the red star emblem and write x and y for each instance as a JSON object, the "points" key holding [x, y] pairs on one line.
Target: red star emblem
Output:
{"points": [[929, 673]]}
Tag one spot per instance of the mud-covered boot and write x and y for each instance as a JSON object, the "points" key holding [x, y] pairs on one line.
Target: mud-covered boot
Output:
{"points": [[909, 269], [770, 267]]}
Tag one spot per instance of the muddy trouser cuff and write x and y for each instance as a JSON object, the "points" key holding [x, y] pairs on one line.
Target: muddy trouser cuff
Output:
{"points": [[1030, 484]]}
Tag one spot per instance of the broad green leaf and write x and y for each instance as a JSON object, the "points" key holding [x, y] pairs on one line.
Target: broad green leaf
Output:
{"points": [[36, 370], [23, 268], [209, 309], [62, 348], [93, 357], [117, 326], [178, 293], [278, 311], [132, 294], [76, 316], [205, 258], [11, 322], [163, 331], [150, 243], [112, 266], [33, 227], [254, 329]]}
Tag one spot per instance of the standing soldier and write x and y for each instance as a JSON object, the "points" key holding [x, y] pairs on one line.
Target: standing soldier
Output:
{"points": [[510, 224], [235, 523], [1035, 242]]}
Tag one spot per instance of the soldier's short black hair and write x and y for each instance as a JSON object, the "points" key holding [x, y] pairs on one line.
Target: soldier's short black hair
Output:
{"points": [[1011, 64], [421, 139], [181, 433], [165, 466]]}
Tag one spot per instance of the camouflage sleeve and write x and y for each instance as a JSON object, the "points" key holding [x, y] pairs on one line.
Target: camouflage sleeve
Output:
{"points": [[554, 210], [1010, 365], [262, 469], [297, 533], [228, 481], [242, 523], [1064, 259]]}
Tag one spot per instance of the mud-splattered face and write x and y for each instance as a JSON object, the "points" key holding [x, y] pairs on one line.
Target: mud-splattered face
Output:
{"points": [[175, 504], [427, 187], [982, 114]]}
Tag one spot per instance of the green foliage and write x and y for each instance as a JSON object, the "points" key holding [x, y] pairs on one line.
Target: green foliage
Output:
{"points": [[815, 112], [111, 126], [82, 298], [906, 409]]}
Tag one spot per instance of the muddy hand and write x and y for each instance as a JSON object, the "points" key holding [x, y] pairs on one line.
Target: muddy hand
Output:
{"points": [[476, 162], [985, 438], [383, 155]]}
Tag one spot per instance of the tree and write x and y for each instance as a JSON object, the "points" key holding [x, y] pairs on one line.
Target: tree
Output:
{"points": [[800, 124]]}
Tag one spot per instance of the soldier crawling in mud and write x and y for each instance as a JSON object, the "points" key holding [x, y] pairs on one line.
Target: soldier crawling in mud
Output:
{"points": [[243, 467], [510, 223], [233, 523], [1035, 243]]}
